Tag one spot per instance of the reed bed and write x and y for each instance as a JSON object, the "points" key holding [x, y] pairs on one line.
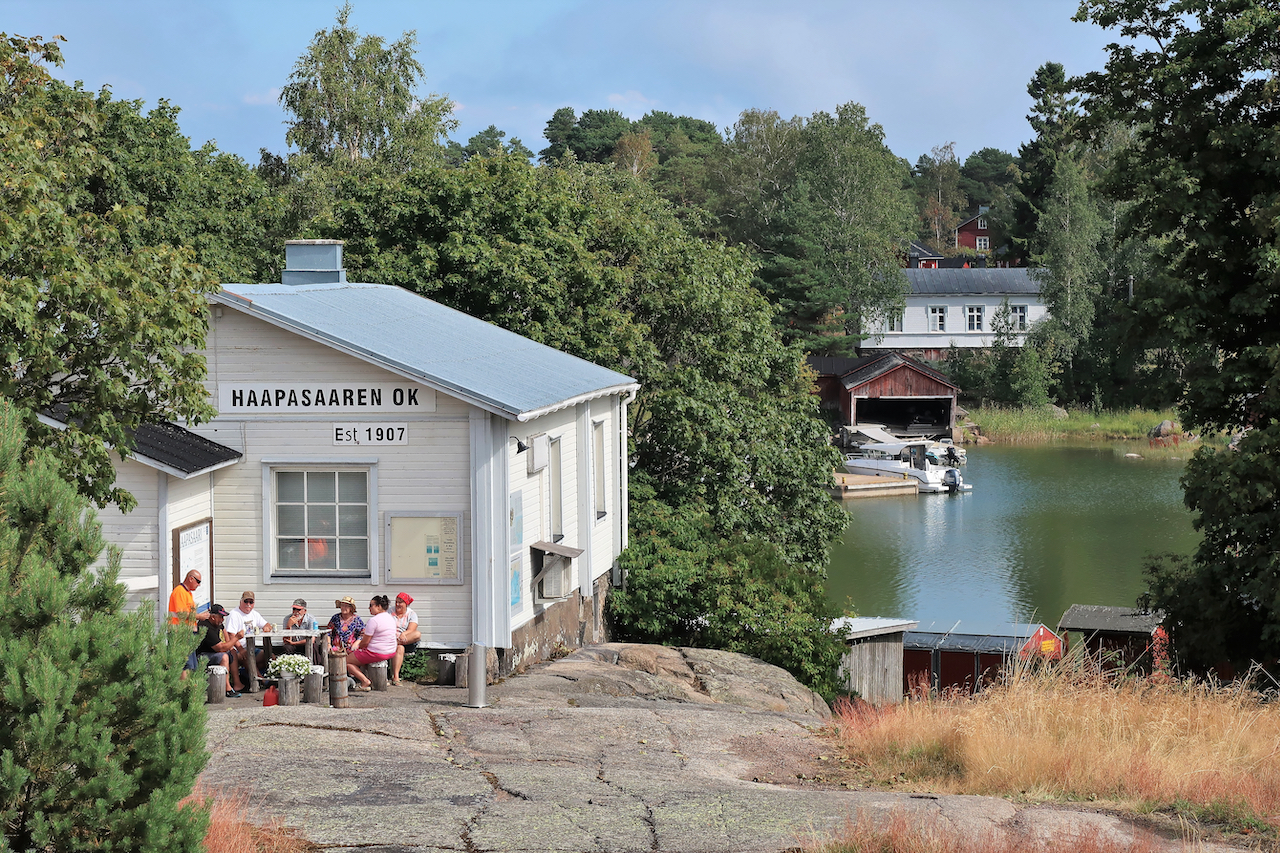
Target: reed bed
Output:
{"points": [[235, 826], [899, 834], [1017, 425], [1205, 752]]}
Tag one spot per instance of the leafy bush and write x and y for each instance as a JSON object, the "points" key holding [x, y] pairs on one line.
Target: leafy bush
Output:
{"points": [[99, 737], [687, 586]]}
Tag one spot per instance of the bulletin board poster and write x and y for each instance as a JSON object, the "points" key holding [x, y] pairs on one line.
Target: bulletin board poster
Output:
{"points": [[193, 549], [424, 549], [517, 582]]}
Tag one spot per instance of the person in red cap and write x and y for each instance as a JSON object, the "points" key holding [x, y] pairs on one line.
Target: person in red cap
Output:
{"points": [[407, 633]]}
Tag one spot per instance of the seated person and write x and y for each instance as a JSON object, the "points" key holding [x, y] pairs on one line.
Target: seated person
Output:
{"points": [[407, 633], [299, 618], [377, 641], [214, 646], [242, 621]]}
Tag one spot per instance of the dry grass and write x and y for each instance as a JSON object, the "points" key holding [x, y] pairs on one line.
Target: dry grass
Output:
{"points": [[235, 826], [1067, 733], [899, 834]]}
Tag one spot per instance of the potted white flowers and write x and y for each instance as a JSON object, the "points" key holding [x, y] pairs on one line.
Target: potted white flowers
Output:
{"points": [[289, 666]]}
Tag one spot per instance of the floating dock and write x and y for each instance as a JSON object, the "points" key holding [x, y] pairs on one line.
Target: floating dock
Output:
{"points": [[871, 486]]}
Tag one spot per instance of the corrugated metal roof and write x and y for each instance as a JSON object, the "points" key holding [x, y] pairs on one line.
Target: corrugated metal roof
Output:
{"points": [[988, 280], [997, 638], [453, 352], [1118, 620], [858, 627]]}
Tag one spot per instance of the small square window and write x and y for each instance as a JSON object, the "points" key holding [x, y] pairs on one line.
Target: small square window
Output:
{"points": [[937, 318], [982, 223], [1018, 314], [974, 315], [983, 244], [894, 323]]}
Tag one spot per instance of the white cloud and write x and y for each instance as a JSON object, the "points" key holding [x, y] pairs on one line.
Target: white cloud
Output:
{"points": [[268, 99], [631, 101]]}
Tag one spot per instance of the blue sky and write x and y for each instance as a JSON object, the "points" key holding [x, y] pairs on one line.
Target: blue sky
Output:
{"points": [[928, 71]]}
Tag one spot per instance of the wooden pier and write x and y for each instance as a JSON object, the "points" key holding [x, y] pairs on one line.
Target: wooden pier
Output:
{"points": [[871, 486]]}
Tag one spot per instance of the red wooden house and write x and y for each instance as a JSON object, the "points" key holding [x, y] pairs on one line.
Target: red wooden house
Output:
{"points": [[973, 233], [889, 389]]}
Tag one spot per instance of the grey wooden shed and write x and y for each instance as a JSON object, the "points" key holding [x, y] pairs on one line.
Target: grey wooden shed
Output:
{"points": [[872, 667]]}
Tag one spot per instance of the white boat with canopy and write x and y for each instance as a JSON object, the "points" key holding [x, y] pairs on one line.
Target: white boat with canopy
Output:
{"points": [[905, 459]]}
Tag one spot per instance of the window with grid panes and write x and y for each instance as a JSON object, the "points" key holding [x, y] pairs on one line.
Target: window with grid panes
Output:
{"points": [[321, 524]]}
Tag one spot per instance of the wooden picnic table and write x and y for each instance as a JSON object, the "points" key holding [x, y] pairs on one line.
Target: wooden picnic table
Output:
{"points": [[251, 646]]}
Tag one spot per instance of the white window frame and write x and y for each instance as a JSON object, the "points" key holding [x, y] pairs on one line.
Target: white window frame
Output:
{"points": [[982, 223], [462, 566], [599, 471], [555, 489], [894, 323], [269, 469], [975, 318], [983, 244], [937, 318], [1018, 314]]}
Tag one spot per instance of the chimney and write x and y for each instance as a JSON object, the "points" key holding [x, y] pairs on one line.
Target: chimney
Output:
{"points": [[313, 262]]}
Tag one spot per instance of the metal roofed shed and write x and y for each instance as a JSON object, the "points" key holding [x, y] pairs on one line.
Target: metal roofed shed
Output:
{"points": [[1121, 636], [872, 667], [956, 657]]}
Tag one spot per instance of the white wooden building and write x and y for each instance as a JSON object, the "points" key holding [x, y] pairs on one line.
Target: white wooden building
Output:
{"points": [[370, 441], [958, 306]]}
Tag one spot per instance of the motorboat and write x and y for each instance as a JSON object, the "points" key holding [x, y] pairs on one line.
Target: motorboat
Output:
{"points": [[946, 452], [905, 459]]}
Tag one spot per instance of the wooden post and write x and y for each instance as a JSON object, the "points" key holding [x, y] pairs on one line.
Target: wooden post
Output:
{"points": [[377, 672], [217, 692], [251, 664], [289, 689], [313, 686], [338, 679]]}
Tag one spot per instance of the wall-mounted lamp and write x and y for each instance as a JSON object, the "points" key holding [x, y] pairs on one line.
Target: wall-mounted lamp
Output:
{"points": [[521, 447]]}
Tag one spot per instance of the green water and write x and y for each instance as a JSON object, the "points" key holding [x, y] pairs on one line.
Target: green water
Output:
{"points": [[1045, 527]]}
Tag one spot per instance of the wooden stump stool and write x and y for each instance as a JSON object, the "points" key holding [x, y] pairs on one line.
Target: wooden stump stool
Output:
{"points": [[313, 686], [377, 673], [338, 679], [217, 691], [290, 687]]}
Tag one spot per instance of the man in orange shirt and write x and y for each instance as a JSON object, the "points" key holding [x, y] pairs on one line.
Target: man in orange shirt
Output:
{"points": [[182, 605]]}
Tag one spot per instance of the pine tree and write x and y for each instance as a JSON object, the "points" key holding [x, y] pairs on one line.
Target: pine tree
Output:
{"points": [[99, 737]]}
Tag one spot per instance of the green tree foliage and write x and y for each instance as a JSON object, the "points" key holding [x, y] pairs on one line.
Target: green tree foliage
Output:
{"points": [[987, 176], [1197, 81], [942, 202], [821, 201], [1054, 117], [1070, 273], [590, 260], [108, 331], [486, 143], [354, 98], [205, 200], [590, 137], [99, 739], [687, 586]]}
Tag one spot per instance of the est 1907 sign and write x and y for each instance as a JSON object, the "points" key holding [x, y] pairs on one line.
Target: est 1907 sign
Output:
{"points": [[375, 433]]}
